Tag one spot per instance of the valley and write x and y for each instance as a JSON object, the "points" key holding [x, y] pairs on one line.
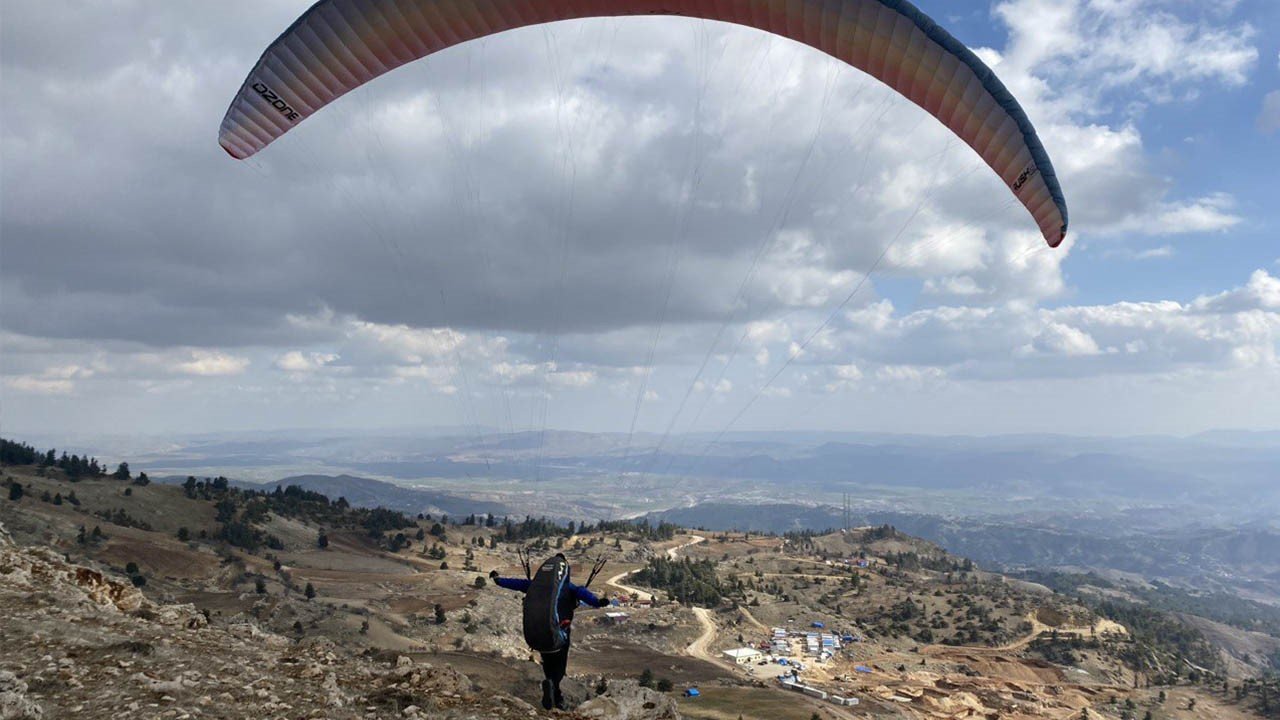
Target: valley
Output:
{"points": [[384, 608]]}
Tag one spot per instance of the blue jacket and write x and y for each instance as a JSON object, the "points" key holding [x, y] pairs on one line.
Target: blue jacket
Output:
{"points": [[583, 595]]}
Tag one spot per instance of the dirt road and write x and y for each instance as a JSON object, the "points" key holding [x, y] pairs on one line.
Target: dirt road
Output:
{"points": [[616, 580], [701, 645], [693, 540]]}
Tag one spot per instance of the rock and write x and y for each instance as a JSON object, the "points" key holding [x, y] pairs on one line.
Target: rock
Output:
{"points": [[333, 694], [163, 687], [185, 616], [14, 704], [403, 661], [626, 700]]}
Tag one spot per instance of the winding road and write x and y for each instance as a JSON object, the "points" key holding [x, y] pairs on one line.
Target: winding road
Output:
{"points": [[616, 580]]}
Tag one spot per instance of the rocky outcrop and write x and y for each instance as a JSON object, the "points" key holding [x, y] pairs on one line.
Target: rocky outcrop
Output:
{"points": [[14, 704], [626, 700]]}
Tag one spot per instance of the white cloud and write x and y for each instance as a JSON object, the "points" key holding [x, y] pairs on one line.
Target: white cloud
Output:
{"points": [[1059, 339], [1156, 253], [573, 378], [1094, 46], [843, 377], [297, 361], [1208, 214], [1269, 116], [39, 385], [210, 363], [909, 375]]}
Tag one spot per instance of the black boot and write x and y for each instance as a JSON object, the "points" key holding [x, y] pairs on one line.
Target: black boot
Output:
{"points": [[547, 690], [559, 698]]}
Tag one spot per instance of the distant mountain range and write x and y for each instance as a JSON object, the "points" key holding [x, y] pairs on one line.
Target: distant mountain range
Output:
{"points": [[1213, 470]]}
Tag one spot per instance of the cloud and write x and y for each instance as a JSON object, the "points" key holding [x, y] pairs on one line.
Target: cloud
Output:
{"points": [[39, 385], [207, 363], [573, 378], [506, 241], [1269, 116], [1093, 47], [1058, 339], [296, 361], [1160, 252]]}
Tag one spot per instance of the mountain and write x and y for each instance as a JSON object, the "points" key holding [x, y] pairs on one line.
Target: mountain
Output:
{"points": [[1244, 558], [131, 599]]}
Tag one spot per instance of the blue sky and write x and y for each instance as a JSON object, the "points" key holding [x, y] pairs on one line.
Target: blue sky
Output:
{"points": [[1205, 144], [396, 260]]}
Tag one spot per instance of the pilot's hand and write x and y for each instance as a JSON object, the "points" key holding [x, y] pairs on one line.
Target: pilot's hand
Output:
{"points": [[603, 602], [494, 575]]}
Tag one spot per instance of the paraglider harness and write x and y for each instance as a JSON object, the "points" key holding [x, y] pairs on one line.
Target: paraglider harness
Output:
{"points": [[544, 629]]}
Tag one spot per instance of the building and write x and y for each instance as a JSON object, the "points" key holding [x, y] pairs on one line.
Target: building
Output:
{"points": [[829, 642], [615, 618], [743, 656]]}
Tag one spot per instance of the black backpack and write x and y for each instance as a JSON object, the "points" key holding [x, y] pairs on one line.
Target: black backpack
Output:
{"points": [[542, 629]]}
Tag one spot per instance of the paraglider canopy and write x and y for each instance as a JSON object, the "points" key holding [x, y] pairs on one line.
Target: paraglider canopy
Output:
{"points": [[339, 45]]}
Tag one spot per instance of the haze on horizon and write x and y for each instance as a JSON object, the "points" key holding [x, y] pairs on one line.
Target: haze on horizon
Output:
{"points": [[396, 261]]}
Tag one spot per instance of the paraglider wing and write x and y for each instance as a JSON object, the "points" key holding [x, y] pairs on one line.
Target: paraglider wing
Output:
{"points": [[338, 45]]}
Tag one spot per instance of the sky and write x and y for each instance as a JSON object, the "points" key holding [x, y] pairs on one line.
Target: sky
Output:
{"points": [[638, 224]]}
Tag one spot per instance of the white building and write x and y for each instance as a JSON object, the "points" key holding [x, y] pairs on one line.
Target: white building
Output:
{"points": [[743, 656]]}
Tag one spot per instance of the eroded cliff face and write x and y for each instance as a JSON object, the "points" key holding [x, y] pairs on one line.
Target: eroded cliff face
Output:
{"points": [[80, 643]]}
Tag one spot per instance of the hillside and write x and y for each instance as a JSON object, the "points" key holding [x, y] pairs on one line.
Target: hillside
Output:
{"points": [[187, 592], [369, 493], [1243, 560]]}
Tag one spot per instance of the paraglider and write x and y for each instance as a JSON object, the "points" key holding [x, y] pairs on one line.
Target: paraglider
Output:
{"points": [[550, 599], [338, 45]]}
